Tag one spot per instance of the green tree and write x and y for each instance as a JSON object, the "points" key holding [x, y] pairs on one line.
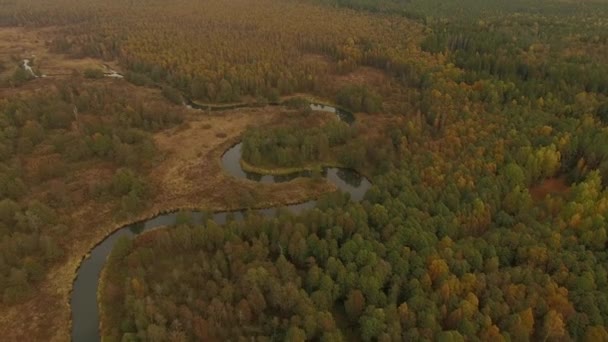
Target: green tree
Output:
{"points": [[372, 323]]}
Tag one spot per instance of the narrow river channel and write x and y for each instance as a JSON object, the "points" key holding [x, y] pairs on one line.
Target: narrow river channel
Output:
{"points": [[85, 314]]}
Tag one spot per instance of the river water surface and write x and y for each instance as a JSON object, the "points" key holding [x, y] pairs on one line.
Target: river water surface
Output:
{"points": [[85, 314]]}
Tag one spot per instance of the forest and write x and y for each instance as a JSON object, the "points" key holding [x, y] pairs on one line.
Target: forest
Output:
{"points": [[459, 238], [294, 146], [481, 124], [48, 139]]}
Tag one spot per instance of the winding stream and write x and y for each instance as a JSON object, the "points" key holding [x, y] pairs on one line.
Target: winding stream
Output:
{"points": [[85, 315], [28, 68]]}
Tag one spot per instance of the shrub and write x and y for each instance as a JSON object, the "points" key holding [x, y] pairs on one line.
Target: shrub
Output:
{"points": [[93, 73]]}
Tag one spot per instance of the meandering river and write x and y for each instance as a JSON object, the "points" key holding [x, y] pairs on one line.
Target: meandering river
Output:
{"points": [[85, 314]]}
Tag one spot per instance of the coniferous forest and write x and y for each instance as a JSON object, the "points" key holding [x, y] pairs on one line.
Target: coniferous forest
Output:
{"points": [[481, 126]]}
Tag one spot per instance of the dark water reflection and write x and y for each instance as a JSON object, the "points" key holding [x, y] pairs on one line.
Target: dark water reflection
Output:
{"points": [[342, 114], [85, 315]]}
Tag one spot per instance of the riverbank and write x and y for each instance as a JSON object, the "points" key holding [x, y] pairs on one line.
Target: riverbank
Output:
{"points": [[220, 216], [190, 176], [283, 171], [89, 289], [317, 102], [86, 290]]}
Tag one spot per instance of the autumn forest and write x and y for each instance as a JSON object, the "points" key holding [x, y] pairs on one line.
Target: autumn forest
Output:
{"points": [[476, 130]]}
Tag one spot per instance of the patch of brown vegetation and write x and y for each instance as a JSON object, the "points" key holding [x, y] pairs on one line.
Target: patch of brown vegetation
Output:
{"points": [[27, 88], [190, 176], [551, 186], [363, 75], [373, 127], [17, 43], [316, 59]]}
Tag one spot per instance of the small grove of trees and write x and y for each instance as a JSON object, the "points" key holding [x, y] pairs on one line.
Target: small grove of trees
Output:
{"points": [[257, 296], [333, 143], [27, 246], [294, 146], [359, 99], [131, 189], [172, 95]]}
